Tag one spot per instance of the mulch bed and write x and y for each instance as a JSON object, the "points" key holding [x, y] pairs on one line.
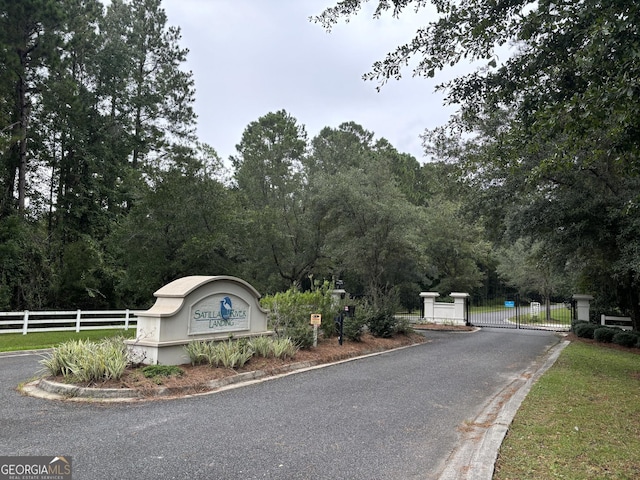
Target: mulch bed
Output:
{"points": [[613, 346], [198, 376]]}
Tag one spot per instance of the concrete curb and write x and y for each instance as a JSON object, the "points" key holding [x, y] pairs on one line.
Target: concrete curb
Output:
{"points": [[475, 456], [24, 353], [50, 390]]}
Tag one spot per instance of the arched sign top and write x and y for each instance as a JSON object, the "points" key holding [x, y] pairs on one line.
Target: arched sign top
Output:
{"points": [[182, 287]]}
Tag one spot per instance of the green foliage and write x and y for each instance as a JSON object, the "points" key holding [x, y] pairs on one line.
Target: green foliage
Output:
{"points": [[232, 354], [151, 371], [200, 352], [235, 353], [626, 339], [179, 221], [552, 147], [25, 274], [585, 330], [283, 348], [380, 319], [262, 346], [353, 327], [576, 323], [290, 312], [605, 334], [88, 361], [403, 326], [281, 242]]}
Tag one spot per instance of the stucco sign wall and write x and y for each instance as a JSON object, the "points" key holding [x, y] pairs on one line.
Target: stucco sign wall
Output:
{"points": [[197, 308]]}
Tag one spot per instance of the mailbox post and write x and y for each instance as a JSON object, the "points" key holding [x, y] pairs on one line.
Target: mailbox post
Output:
{"points": [[348, 311]]}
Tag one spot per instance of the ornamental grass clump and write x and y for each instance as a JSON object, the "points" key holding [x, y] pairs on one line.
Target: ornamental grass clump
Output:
{"points": [[88, 361], [229, 354], [283, 348], [200, 352], [232, 354], [262, 346]]}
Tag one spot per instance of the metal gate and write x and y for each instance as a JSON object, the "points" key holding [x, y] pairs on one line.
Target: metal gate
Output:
{"points": [[510, 311]]}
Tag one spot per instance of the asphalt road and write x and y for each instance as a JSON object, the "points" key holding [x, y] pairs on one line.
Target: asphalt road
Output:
{"points": [[391, 416]]}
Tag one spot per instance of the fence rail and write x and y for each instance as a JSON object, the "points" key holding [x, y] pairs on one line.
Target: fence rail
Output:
{"points": [[66, 321]]}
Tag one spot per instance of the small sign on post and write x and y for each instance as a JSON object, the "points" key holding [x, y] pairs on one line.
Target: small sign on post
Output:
{"points": [[535, 308], [316, 320]]}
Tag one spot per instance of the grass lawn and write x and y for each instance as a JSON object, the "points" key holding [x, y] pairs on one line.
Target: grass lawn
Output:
{"points": [[31, 341], [559, 316], [581, 420]]}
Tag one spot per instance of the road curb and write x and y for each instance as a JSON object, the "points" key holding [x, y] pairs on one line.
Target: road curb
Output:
{"points": [[475, 456], [50, 390]]}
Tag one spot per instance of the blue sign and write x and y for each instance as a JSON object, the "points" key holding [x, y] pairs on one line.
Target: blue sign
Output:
{"points": [[509, 304]]}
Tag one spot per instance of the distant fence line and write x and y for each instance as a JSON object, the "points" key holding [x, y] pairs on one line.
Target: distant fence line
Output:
{"points": [[66, 321]]}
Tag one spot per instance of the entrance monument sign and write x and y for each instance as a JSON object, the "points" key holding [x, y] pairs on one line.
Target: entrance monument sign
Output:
{"points": [[197, 308]]}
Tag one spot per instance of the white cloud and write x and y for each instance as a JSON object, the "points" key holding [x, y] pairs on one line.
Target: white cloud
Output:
{"points": [[251, 57]]}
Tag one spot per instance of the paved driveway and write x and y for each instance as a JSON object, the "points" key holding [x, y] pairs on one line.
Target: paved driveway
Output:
{"points": [[391, 416]]}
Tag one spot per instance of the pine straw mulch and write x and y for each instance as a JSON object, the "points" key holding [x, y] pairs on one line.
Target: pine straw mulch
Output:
{"points": [[572, 337], [197, 377]]}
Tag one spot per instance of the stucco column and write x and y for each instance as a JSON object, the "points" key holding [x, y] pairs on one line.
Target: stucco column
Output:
{"points": [[582, 306], [429, 300], [459, 301]]}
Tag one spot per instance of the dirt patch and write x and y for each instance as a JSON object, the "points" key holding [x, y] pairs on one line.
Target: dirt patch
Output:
{"points": [[195, 378]]}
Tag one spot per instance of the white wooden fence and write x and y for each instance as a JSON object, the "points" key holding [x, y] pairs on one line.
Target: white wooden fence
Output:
{"points": [[72, 320]]}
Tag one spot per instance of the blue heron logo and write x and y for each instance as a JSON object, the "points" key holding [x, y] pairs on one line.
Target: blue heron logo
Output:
{"points": [[226, 308]]}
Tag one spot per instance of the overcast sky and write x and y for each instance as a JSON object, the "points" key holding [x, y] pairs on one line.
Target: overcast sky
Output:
{"points": [[252, 57]]}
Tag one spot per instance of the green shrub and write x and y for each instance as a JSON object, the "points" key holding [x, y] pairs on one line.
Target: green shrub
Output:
{"points": [[353, 327], [585, 330], [380, 316], [403, 326], [576, 323], [605, 334], [290, 312], [382, 324], [151, 371], [626, 339]]}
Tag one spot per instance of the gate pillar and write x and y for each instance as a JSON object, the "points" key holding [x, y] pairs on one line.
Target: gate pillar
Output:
{"points": [[460, 303], [429, 304], [582, 306]]}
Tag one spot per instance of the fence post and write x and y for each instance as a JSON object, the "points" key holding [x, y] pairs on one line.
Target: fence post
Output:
{"points": [[126, 320], [25, 323], [78, 317]]}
